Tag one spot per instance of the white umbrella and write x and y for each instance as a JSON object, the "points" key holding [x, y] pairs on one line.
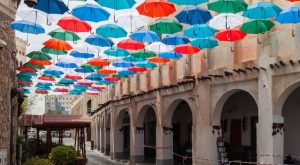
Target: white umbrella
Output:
{"points": [[84, 47], [131, 21], [226, 21], [35, 16], [158, 47]]}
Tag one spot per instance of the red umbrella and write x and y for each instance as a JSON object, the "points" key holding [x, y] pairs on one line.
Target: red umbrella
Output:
{"points": [[26, 69], [87, 83], [98, 87], [39, 62], [186, 49], [74, 24], [158, 60], [156, 8], [130, 44], [230, 35], [41, 91], [107, 71], [98, 62], [114, 79], [57, 44], [46, 78], [137, 69], [92, 93], [73, 77], [24, 83], [61, 90]]}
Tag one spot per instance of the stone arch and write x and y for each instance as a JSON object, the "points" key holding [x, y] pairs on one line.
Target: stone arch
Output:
{"points": [[171, 108], [120, 116], [221, 100], [142, 113]]}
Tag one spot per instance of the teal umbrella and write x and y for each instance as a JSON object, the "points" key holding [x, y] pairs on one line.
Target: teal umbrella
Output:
{"points": [[262, 10], [116, 52], [199, 31], [204, 43], [134, 59], [188, 2], [111, 30]]}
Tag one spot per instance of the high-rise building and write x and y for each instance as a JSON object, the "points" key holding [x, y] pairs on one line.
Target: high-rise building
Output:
{"points": [[61, 103], [20, 51]]}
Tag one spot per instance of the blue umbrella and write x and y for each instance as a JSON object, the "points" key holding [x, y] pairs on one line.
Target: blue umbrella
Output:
{"points": [[104, 82], [93, 78], [175, 39], [27, 74], [134, 59], [82, 87], [98, 40], [66, 65], [43, 84], [53, 72], [194, 15], [126, 73], [262, 10], [199, 31], [146, 65], [51, 7], [170, 55], [144, 36], [116, 52], [188, 2], [43, 88], [83, 70], [25, 79], [75, 92], [111, 30], [290, 15], [66, 81], [204, 43], [81, 55], [122, 64], [90, 12]]}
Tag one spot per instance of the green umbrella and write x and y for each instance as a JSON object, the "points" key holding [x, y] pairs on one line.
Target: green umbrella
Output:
{"points": [[39, 55], [62, 85], [119, 76], [64, 35], [143, 54], [257, 26], [51, 76], [88, 66], [53, 51], [228, 6], [166, 26], [33, 66]]}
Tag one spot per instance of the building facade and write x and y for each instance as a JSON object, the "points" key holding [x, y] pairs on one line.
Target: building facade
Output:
{"points": [[21, 51], [8, 86], [61, 103], [242, 95]]}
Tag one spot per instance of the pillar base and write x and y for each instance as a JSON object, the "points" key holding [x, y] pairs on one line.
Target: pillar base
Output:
{"points": [[164, 162], [136, 159], [102, 149]]}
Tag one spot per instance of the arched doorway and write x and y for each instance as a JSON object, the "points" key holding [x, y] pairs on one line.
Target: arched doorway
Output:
{"points": [[122, 135], [291, 114], [181, 118], [147, 123], [239, 116]]}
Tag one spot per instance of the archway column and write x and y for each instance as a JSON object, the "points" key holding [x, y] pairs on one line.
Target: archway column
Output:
{"points": [[101, 135], [137, 143], [98, 135]]}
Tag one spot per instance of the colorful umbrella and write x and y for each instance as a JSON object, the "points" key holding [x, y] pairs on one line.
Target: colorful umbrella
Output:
{"points": [[230, 35], [143, 54], [83, 70], [175, 39], [137, 69], [149, 65], [170, 55], [34, 15], [41, 91], [53, 51], [61, 90], [112, 79], [131, 21], [39, 62], [53, 71], [98, 40], [117, 4], [46, 78], [38, 55], [262, 10], [74, 24], [97, 87], [98, 62], [28, 65], [88, 66], [199, 31], [129, 44], [289, 16], [107, 71], [257, 26], [144, 36], [104, 82], [122, 64], [158, 60], [66, 64], [188, 2], [226, 21], [67, 81], [186, 49], [227, 6], [26, 69], [158, 47], [126, 72], [204, 43], [156, 8], [57, 44], [193, 15], [81, 55], [64, 35], [134, 59], [166, 26], [111, 30], [116, 52], [73, 77], [27, 74], [90, 12]]}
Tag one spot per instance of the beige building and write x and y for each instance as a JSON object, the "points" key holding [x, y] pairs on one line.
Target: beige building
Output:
{"points": [[21, 51], [62, 103], [238, 102]]}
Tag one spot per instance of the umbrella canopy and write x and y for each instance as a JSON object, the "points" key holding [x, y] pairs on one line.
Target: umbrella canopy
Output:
{"points": [[204, 43], [262, 10], [64, 35], [158, 60], [188, 2], [170, 55], [156, 8], [44, 84], [98, 62], [129, 44], [73, 77], [83, 70], [27, 27], [66, 81], [51, 6], [107, 71], [226, 21], [61, 90], [257, 26], [144, 36], [175, 39], [149, 65], [38, 55], [143, 54], [88, 66], [74, 24], [53, 51], [84, 47], [137, 69], [112, 79], [111, 30], [57, 44], [230, 35], [131, 21], [52, 71], [81, 55], [28, 65], [227, 6], [126, 72], [26, 69], [122, 64], [98, 40], [27, 74], [199, 31], [41, 91], [90, 12], [117, 4], [166, 26], [66, 64], [104, 82], [158, 47], [134, 59], [46, 78], [193, 15], [39, 62], [289, 16], [34, 15], [116, 52], [186, 49]]}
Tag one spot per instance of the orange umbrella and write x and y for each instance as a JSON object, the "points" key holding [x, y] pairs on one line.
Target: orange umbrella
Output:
{"points": [[26, 69], [186, 49], [73, 77], [24, 83], [41, 91], [39, 62], [158, 60], [107, 71], [57, 44], [46, 78], [156, 8], [87, 83], [98, 62], [137, 69], [113, 79]]}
